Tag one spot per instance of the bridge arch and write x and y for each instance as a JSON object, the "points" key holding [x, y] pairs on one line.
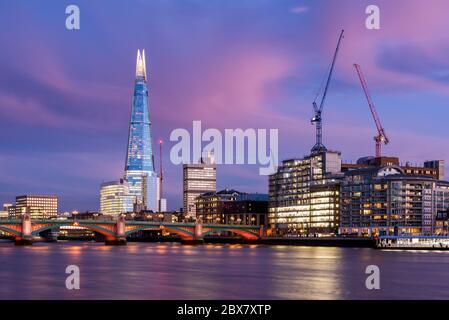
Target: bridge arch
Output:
{"points": [[108, 234], [247, 234], [184, 234], [10, 231], [127, 233]]}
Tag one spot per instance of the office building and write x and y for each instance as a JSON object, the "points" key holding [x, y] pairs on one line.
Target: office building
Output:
{"points": [[139, 169], [304, 195], [37, 206], [115, 198], [229, 206], [198, 179]]}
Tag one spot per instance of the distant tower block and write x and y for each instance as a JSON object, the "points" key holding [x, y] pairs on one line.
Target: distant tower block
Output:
{"points": [[198, 179]]}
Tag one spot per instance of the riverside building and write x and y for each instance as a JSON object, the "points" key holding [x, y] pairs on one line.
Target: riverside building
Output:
{"points": [[320, 195], [387, 200], [304, 195], [37, 206], [230, 206]]}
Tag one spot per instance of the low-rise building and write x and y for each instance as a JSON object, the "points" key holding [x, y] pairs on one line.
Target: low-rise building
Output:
{"points": [[229, 206]]}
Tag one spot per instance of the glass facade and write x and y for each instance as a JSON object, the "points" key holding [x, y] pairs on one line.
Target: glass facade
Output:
{"points": [[139, 169], [115, 198], [304, 195]]}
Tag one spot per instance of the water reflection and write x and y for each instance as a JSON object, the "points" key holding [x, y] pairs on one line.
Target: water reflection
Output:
{"points": [[216, 271]]}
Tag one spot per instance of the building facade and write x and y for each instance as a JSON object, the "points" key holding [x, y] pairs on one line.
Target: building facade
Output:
{"points": [[386, 200], [431, 168], [115, 198], [37, 206], [4, 214], [9, 210], [198, 179], [304, 195], [229, 206], [139, 169]]}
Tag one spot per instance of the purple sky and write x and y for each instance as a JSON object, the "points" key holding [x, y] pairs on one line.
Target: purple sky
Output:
{"points": [[65, 96]]}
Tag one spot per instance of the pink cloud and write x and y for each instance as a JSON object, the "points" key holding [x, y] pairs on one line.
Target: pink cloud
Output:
{"points": [[229, 87], [299, 9], [402, 22]]}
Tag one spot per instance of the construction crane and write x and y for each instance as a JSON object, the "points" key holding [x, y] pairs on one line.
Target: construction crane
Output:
{"points": [[318, 109], [381, 136]]}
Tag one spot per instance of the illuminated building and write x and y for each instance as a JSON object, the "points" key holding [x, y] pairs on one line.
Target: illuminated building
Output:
{"points": [[139, 169], [442, 223], [5, 212], [304, 195], [38, 206], [198, 179], [115, 198], [386, 200], [232, 207], [8, 210]]}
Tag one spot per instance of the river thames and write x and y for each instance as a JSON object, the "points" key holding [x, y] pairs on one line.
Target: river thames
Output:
{"points": [[212, 271]]}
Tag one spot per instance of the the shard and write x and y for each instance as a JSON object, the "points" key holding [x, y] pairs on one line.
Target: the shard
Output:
{"points": [[139, 169]]}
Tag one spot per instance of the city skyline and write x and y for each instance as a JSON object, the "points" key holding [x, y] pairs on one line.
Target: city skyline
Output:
{"points": [[71, 109]]}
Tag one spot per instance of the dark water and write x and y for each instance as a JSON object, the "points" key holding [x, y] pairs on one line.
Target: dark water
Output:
{"points": [[175, 271]]}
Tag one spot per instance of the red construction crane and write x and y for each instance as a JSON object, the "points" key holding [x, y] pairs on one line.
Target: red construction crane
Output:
{"points": [[381, 135]]}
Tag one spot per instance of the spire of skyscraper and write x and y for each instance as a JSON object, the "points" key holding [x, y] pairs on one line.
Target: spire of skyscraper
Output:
{"points": [[141, 69]]}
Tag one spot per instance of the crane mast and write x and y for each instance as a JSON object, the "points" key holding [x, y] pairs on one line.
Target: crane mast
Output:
{"points": [[317, 120], [381, 136]]}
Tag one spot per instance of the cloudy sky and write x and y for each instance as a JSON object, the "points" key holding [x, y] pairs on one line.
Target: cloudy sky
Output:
{"points": [[65, 96]]}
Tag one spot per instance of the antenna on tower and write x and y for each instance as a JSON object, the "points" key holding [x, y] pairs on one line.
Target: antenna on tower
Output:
{"points": [[161, 172]]}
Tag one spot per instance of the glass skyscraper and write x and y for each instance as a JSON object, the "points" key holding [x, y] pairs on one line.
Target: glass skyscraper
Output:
{"points": [[139, 169]]}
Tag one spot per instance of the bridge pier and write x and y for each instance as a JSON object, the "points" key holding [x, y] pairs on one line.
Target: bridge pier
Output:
{"points": [[23, 241], [25, 238], [192, 241], [115, 242], [120, 237], [197, 234]]}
